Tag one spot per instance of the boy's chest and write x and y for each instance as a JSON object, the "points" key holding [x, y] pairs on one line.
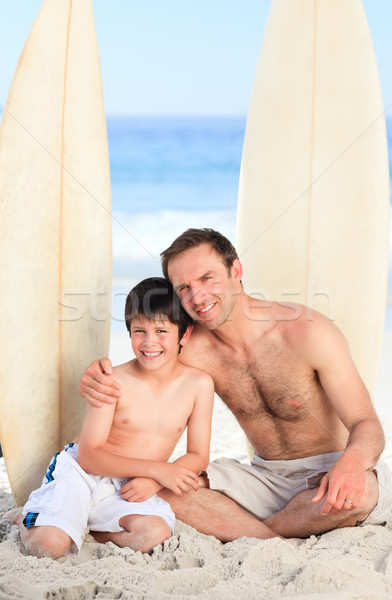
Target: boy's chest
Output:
{"points": [[166, 416]]}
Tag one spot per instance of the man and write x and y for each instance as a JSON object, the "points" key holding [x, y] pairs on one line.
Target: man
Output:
{"points": [[292, 385]]}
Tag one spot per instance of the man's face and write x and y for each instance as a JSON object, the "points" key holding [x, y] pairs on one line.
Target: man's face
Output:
{"points": [[204, 286]]}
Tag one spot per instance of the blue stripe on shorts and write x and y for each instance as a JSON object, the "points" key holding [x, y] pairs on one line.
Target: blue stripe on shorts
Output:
{"points": [[30, 519], [52, 466]]}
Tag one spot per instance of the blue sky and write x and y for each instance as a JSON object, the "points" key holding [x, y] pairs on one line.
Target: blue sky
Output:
{"points": [[176, 57]]}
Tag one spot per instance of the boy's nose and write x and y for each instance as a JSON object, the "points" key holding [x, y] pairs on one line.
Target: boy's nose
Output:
{"points": [[149, 337]]}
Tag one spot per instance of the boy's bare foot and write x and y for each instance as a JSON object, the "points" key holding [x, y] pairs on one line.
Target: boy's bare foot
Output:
{"points": [[15, 515]]}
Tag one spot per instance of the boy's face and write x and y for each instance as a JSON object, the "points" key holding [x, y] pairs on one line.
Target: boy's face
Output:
{"points": [[155, 343]]}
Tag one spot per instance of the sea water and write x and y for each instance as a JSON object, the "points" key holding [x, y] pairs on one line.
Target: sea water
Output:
{"points": [[169, 174]]}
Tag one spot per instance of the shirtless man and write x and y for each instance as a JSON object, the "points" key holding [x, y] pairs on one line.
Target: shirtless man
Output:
{"points": [[292, 385]]}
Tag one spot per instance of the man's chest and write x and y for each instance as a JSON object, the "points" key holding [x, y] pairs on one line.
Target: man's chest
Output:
{"points": [[269, 382]]}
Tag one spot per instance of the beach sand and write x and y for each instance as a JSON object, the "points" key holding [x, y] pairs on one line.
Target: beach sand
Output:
{"points": [[350, 563]]}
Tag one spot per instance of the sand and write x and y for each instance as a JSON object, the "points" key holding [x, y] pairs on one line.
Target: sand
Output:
{"points": [[350, 563]]}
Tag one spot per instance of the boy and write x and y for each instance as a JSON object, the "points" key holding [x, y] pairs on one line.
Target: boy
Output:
{"points": [[133, 438]]}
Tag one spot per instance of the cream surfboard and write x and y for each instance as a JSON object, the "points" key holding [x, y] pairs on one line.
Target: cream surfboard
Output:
{"points": [[55, 238], [313, 194]]}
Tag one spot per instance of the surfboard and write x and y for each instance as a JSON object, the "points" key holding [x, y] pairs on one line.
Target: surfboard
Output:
{"points": [[55, 238], [313, 193]]}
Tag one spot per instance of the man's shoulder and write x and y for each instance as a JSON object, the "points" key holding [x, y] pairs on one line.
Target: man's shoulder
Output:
{"points": [[196, 376], [200, 342], [302, 326]]}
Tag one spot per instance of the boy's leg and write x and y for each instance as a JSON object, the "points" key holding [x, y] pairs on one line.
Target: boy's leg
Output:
{"points": [[54, 518], [138, 525], [41, 541], [142, 533]]}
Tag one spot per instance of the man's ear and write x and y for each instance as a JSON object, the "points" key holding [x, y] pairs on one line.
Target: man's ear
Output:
{"points": [[236, 271], [185, 338]]}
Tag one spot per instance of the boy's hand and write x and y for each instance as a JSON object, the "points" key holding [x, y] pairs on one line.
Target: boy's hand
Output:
{"points": [[96, 386], [140, 489], [175, 478]]}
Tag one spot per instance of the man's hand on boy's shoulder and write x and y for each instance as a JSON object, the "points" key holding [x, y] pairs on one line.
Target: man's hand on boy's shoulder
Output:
{"points": [[140, 489], [96, 385]]}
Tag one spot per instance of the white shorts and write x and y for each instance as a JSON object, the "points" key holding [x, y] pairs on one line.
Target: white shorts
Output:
{"points": [[72, 500]]}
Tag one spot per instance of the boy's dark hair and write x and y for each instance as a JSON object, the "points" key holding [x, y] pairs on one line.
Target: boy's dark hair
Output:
{"points": [[155, 298], [195, 237]]}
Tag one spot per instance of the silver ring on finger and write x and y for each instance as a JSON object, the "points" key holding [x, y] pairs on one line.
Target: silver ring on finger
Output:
{"points": [[349, 501]]}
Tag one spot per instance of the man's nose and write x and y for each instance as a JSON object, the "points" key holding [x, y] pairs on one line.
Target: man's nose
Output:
{"points": [[197, 295]]}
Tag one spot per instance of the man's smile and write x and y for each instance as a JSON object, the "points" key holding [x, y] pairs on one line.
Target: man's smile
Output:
{"points": [[206, 309]]}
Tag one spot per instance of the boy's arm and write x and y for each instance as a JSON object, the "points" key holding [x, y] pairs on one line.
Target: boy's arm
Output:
{"points": [[94, 459], [199, 427]]}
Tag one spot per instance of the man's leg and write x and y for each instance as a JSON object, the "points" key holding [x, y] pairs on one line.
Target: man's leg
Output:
{"points": [[215, 514], [302, 518]]}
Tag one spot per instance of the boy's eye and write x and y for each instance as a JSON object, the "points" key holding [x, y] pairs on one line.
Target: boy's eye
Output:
{"points": [[162, 331], [138, 331]]}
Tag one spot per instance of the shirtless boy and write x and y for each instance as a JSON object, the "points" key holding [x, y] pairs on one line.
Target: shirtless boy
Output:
{"points": [[86, 484], [293, 387]]}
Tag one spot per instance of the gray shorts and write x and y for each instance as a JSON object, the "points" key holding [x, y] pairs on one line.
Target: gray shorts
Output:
{"points": [[266, 486]]}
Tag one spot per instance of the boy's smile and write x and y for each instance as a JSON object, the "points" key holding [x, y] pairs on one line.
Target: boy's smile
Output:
{"points": [[155, 343], [151, 354]]}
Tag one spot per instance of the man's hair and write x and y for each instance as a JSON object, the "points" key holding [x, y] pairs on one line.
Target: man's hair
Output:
{"points": [[195, 237], [155, 299]]}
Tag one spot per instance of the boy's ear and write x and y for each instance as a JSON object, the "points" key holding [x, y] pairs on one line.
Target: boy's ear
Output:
{"points": [[185, 338]]}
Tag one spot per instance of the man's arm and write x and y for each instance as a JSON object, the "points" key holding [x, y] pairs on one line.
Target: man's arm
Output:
{"points": [[329, 355], [97, 386], [94, 459], [198, 443]]}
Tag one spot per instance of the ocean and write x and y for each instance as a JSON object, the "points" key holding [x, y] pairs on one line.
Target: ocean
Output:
{"points": [[169, 174]]}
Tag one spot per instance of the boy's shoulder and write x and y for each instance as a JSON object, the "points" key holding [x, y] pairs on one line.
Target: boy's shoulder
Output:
{"points": [[127, 369]]}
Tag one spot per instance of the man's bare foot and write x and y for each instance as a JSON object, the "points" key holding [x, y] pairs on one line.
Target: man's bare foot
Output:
{"points": [[15, 515]]}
